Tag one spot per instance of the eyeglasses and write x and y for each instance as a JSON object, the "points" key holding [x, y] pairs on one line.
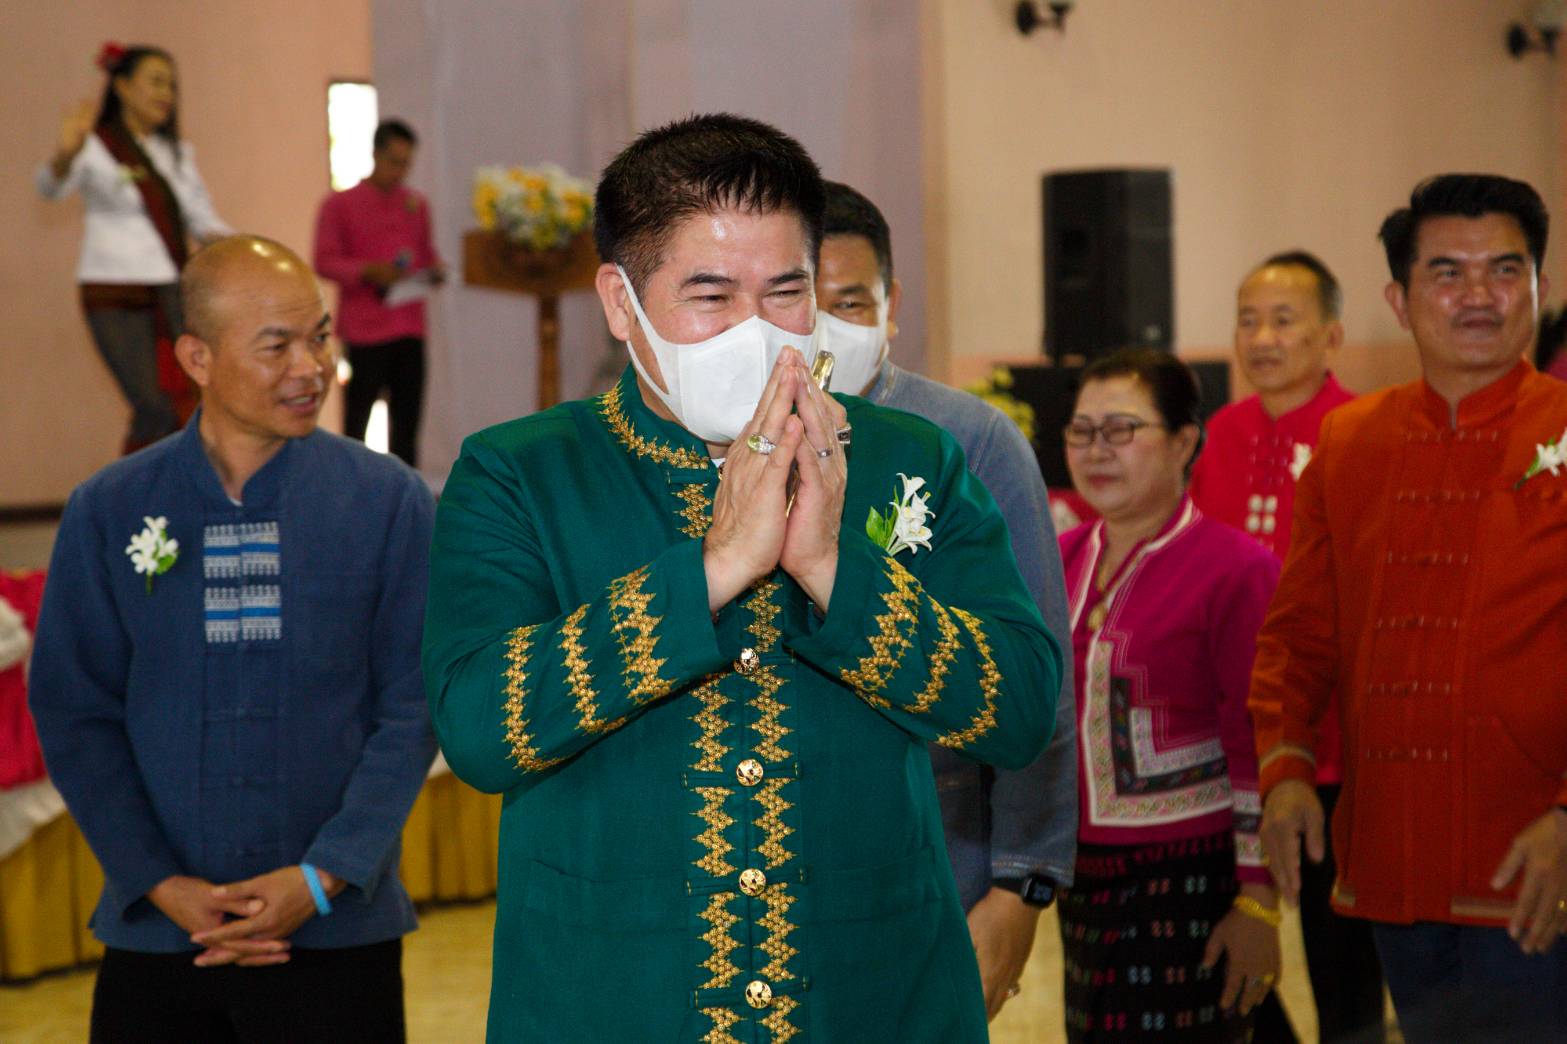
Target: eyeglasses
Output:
{"points": [[1117, 431]]}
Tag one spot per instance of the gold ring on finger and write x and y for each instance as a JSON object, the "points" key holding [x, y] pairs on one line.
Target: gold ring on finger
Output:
{"points": [[844, 434], [759, 443]]}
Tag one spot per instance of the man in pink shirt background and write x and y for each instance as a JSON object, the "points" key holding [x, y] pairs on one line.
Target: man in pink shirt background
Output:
{"points": [[369, 238], [1286, 324]]}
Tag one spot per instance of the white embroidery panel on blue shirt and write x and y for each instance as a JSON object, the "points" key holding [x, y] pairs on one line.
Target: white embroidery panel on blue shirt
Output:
{"points": [[233, 558]]}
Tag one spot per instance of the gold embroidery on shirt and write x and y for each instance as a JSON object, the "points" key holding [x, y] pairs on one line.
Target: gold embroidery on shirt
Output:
{"points": [[767, 725], [763, 611], [523, 751], [712, 724], [766, 703], [776, 921], [889, 643], [778, 1019], [614, 414], [723, 944], [771, 821], [989, 687], [696, 512], [940, 659], [722, 1018], [712, 813], [628, 605], [578, 676]]}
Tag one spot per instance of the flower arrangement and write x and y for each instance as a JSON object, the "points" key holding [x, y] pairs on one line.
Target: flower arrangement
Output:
{"points": [[996, 390], [152, 551], [902, 528], [539, 208]]}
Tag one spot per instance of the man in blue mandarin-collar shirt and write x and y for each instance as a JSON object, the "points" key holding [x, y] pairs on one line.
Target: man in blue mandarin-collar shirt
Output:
{"points": [[227, 688]]}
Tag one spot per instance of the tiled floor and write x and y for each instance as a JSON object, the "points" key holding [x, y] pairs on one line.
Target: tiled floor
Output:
{"points": [[446, 966]]}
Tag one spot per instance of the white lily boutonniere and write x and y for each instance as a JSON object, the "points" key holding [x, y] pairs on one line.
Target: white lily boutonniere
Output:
{"points": [[903, 527], [1550, 457], [151, 550]]}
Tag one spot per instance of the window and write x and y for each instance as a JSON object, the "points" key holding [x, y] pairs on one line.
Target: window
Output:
{"points": [[351, 116]]}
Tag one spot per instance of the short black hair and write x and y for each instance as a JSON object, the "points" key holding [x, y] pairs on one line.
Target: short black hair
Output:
{"points": [[1330, 297], [849, 213], [1463, 195], [1174, 388], [698, 165], [388, 131]]}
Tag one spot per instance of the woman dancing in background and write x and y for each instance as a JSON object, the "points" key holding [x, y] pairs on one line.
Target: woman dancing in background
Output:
{"points": [[144, 199]]}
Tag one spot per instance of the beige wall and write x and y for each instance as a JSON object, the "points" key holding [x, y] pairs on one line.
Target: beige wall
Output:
{"points": [[1286, 124], [253, 76]]}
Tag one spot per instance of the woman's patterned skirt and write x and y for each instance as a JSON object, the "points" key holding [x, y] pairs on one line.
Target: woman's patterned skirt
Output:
{"points": [[1134, 927]]}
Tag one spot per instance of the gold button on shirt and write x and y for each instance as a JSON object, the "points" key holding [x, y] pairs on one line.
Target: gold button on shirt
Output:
{"points": [[748, 661], [752, 881], [758, 994], [749, 772]]}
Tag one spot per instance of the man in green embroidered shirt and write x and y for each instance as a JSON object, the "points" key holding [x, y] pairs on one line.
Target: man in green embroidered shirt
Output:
{"points": [[660, 624]]}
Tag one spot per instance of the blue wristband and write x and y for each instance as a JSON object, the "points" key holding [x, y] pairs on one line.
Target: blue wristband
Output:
{"points": [[313, 881]]}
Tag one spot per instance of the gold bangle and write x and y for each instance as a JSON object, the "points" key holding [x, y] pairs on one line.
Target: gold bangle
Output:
{"points": [[1252, 908]]}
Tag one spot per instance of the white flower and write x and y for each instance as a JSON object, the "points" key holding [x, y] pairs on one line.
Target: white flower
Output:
{"points": [[1550, 457], [903, 528], [1302, 458], [151, 551]]}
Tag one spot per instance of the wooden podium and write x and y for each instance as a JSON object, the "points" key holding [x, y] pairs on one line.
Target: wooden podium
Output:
{"points": [[492, 261]]}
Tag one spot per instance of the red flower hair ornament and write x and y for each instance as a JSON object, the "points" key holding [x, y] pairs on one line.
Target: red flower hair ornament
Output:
{"points": [[109, 56]]}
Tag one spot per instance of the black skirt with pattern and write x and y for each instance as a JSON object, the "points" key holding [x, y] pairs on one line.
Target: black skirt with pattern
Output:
{"points": [[1134, 926]]}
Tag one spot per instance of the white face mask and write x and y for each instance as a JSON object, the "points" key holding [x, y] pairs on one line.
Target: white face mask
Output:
{"points": [[715, 385], [857, 350]]}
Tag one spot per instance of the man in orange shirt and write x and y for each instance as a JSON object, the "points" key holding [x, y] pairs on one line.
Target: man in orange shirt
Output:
{"points": [[1424, 584]]}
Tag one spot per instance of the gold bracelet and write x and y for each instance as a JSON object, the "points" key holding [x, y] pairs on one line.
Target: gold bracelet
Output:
{"points": [[1252, 908]]}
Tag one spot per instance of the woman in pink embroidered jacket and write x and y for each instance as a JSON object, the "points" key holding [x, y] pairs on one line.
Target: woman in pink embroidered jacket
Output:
{"points": [[1171, 927]]}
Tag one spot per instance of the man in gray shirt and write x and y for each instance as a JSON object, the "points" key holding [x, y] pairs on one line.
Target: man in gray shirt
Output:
{"points": [[1011, 836]]}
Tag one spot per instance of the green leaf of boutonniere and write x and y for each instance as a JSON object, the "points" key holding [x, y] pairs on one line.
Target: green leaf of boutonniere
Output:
{"points": [[879, 528]]}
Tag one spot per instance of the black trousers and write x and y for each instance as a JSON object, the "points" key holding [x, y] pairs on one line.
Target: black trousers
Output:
{"points": [[396, 368], [344, 996], [1341, 954]]}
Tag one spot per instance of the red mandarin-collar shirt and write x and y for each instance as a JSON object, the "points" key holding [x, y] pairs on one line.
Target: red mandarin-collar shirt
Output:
{"points": [[1424, 586], [1245, 477], [365, 224]]}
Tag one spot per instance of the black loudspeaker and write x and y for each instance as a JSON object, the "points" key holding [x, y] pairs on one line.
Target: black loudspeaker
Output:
{"points": [[1052, 390], [1108, 262]]}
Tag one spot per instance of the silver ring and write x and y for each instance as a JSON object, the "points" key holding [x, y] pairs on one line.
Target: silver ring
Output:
{"points": [[760, 443], [824, 453], [843, 434]]}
